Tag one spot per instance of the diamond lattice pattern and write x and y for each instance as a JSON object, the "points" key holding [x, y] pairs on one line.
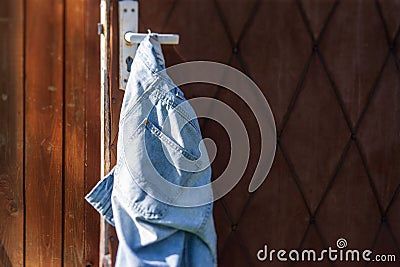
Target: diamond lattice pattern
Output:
{"points": [[330, 71]]}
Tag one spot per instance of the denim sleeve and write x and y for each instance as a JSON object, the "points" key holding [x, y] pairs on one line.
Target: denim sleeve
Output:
{"points": [[100, 197]]}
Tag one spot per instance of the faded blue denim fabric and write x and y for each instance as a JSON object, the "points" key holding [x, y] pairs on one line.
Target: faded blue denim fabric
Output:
{"points": [[150, 232]]}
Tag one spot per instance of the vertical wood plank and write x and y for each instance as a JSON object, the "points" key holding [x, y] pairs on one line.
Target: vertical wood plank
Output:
{"points": [[11, 133], [115, 107], [44, 132], [74, 139], [105, 53], [92, 173]]}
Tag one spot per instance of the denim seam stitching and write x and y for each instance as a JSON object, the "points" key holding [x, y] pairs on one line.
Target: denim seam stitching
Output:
{"points": [[163, 137], [141, 209], [138, 181], [141, 98], [158, 75], [164, 97]]}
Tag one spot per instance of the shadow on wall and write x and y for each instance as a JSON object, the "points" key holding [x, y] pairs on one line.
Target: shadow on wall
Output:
{"points": [[4, 259]]}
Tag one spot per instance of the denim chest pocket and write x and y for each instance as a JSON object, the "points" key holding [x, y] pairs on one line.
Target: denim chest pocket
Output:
{"points": [[151, 153], [175, 149]]}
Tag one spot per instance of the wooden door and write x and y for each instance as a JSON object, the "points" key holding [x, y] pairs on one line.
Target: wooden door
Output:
{"points": [[330, 71], [49, 132]]}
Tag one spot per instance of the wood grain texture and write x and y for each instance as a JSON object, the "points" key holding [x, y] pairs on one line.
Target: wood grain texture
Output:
{"points": [[62, 157], [44, 132], [104, 117], [74, 144], [116, 96], [11, 134], [92, 132]]}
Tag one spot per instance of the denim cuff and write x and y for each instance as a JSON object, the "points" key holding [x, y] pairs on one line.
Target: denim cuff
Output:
{"points": [[100, 197]]}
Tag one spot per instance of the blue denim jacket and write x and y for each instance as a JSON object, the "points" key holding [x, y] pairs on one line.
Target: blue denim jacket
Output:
{"points": [[158, 135]]}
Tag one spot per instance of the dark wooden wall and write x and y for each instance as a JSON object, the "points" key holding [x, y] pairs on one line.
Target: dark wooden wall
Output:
{"points": [[49, 132], [330, 71]]}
